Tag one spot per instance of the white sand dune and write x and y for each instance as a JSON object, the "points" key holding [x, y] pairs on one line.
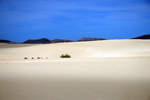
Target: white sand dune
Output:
{"points": [[108, 48], [98, 70]]}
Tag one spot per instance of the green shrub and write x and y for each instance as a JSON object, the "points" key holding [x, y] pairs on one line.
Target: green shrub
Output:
{"points": [[25, 58], [65, 56], [32, 58]]}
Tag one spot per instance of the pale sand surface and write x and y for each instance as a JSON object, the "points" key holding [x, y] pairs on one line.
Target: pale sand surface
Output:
{"points": [[13, 45], [91, 74], [107, 48]]}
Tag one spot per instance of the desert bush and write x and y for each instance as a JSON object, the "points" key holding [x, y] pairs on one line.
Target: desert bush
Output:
{"points": [[65, 56], [32, 58], [38, 57], [25, 58]]}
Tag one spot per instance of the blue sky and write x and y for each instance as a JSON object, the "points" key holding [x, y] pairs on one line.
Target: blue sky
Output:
{"points": [[73, 19]]}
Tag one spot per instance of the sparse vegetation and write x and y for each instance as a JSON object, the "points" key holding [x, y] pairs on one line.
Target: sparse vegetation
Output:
{"points": [[38, 57], [25, 58], [65, 56]]}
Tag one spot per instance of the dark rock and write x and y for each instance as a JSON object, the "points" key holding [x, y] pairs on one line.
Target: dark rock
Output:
{"points": [[147, 36], [60, 40], [90, 39], [45, 40], [6, 41], [38, 41]]}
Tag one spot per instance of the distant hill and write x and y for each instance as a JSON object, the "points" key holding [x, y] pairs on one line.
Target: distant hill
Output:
{"points": [[60, 40], [45, 41], [6, 41], [147, 36], [90, 39], [38, 41]]}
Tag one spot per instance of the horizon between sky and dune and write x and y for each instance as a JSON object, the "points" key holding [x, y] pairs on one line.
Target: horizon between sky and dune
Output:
{"points": [[44, 40]]}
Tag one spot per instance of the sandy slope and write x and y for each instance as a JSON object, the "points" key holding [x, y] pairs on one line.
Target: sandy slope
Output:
{"points": [[107, 48], [99, 70]]}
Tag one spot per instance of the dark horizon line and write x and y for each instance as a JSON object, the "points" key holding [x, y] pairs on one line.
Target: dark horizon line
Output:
{"points": [[80, 39]]}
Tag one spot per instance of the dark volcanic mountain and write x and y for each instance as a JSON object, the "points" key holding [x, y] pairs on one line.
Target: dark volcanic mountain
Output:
{"points": [[60, 40], [143, 37], [5, 41], [90, 39], [38, 41], [45, 41]]}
